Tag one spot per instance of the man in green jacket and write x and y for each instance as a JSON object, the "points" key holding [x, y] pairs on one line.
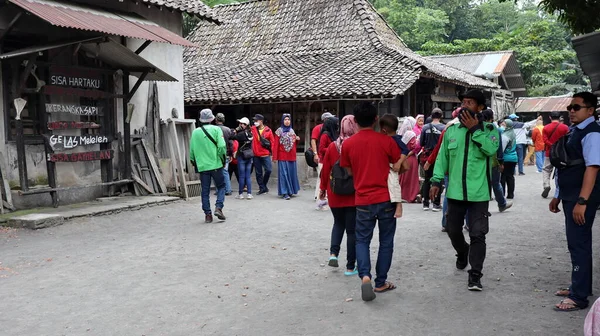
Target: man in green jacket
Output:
{"points": [[208, 153], [466, 155]]}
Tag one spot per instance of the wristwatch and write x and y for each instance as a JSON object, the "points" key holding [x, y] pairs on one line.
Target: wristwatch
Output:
{"points": [[582, 201]]}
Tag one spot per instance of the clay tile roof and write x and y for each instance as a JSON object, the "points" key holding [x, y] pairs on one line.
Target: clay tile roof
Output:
{"points": [[196, 7], [303, 49]]}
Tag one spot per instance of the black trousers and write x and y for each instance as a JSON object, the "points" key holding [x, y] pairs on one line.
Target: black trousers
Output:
{"points": [[478, 219], [508, 179], [233, 171], [344, 220], [427, 186]]}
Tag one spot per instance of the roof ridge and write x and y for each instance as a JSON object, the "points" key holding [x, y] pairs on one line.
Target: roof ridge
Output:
{"points": [[233, 4], [474, 53]]}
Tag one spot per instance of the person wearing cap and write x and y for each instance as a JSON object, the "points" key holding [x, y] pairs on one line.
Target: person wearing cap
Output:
{"points": [[244, 156], [551, 133], [315, 135], [521, 134], [262, 146], [466, 154], [429, 137], [208, 153], [219, 121]]}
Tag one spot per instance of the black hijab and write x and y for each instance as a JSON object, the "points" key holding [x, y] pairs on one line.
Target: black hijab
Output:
{"points": [[331, 127]]}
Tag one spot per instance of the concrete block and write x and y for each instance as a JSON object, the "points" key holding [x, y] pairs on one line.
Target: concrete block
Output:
{"points": [[36, 221]]}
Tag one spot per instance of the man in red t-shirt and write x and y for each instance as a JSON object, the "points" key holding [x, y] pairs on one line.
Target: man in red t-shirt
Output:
{"points": [[551, 133], [367, 157], [314, 139]]}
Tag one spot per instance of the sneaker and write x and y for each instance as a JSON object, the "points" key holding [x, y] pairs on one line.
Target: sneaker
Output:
{"points": [[219, 214], [240, 197], [286, 197], [521, 174], [321, 204], [436, 208], [208, 218], [475, 282], [507, 206], [546, 192], [425, 207], [462, 260], [249, 197], [228, 193], [261, 192]]}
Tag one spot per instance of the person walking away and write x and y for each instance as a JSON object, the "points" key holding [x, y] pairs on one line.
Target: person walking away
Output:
{"points": [[409, 181], [551, 133], [578, 188], [329, 133], [208, 154], [219, 121], [343, 207], [508, 168], [314, 140], [284, 154], [430, 135], [466, 154], [388, 124], [521, 135], [497, 164], [244, 155], [262, 146], [367, 156], [538, 144]]}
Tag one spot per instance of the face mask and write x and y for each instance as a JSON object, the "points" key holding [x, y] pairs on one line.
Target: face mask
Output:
{"points": [[256, 124], [502, 129]]}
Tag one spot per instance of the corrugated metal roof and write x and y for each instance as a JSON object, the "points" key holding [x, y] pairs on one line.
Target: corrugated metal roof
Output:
{"points": [[543, 104], [587, 48], [120, 57], [85, 18]]}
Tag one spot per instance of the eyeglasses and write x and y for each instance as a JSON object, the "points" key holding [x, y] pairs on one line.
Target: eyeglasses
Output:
{"points": [[576, 107]]}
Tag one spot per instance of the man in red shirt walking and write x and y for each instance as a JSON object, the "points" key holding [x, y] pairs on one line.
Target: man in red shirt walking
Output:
{"points": [[262, 147], [551, 133], [367, 157]]}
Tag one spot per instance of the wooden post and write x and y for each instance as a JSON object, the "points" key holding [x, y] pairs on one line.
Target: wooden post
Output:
{"points": [[22, 161], [175, 143], [50, 165], [126, 128]]}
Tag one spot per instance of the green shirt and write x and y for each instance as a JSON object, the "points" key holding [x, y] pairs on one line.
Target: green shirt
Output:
{"points": [[467, 157], [204, 152]]}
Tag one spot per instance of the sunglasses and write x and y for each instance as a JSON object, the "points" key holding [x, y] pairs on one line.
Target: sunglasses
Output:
{"points": [[576, 107]]}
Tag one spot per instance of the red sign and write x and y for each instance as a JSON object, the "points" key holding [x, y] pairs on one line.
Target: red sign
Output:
{"points": [[63, 125], [78, 157]]}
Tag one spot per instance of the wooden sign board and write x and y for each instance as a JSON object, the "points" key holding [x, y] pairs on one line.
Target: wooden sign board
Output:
{"points": [[79, 157], [74, 109], [64, 125], [76, 77], [72, 141]]}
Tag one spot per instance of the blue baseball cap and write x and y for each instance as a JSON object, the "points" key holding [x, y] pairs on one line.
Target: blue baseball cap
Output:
{"points": [[513, 116]]}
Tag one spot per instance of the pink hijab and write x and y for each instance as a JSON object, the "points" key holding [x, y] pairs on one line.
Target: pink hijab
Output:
{"points": [[348, 127], [417, 129]]}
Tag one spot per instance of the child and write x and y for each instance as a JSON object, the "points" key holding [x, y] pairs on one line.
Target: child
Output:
{"points": [[388, 124]]}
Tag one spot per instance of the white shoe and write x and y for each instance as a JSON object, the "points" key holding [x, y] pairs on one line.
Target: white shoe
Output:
{"points": [[249, 197], [240, 197]]}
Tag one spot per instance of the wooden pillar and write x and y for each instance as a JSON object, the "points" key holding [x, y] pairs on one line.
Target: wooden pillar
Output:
{"points": [[126, 128], [106, 166]]}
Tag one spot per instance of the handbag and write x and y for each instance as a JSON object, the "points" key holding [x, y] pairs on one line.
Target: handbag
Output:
{"points": [[223, 160], [309, 155], [247, 153]]}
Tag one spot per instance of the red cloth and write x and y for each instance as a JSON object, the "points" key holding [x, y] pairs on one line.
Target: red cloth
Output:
{"points": [[561, 130], [259, 150], [236, 146], [369, 155], [316, 132], [538, 139], [324, 142], [436, 150], [335, 201], [409, 181], [279, 154]]}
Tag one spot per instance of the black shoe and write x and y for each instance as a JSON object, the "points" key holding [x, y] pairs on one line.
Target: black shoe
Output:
{"points": [[475, 282], [219, 214], [507, 206], [436, 208], [208, 219], [262, 192], [462, 259], [521, 174], [228, 194], [546, 192]]}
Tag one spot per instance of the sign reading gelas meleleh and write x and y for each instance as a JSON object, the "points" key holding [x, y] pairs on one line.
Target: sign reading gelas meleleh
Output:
{"points": [[84, 156], [72, 141]]}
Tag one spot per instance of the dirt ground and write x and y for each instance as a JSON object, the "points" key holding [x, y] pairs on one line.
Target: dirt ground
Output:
{"points": [[162, 271]]}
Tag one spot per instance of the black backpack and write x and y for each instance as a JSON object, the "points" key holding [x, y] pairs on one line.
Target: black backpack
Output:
{"points": [[341, 182], [559, 157]]}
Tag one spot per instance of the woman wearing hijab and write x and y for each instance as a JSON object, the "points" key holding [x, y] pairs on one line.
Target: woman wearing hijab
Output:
{"points": [[509, 146], [409, 181], [342, 207], [284, 153], [419, 126], [329, 134]]}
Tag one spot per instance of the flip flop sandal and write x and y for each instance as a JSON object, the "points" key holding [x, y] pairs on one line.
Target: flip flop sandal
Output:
{"points": [[390, 286], [354, 272], [573, 307], [561, 292], [333, 262], [367, 292]]}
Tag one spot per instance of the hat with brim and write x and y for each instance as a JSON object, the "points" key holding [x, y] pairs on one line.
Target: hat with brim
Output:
{"points": [[206, 116], [259, 117], [513, 116], [476, 95], [244, 120]]}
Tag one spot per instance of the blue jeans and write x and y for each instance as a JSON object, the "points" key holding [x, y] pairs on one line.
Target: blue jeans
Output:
{"points": [[263, 179], [521, 151], [579, 241], [539, 160], [205, 179], [366, 218], [497, 187], [244, 179], [226, 177]]}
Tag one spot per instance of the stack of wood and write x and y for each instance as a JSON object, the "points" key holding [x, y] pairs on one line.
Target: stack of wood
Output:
{"points": [[5, 195], [148, 178]]}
